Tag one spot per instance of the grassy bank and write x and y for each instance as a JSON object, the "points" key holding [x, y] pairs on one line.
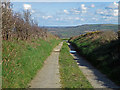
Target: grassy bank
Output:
{"points": [[22, 60], [102, 49], [71, 76]]}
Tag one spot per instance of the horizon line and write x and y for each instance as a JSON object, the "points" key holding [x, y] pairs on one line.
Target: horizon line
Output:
{"points": [[75, 25]]}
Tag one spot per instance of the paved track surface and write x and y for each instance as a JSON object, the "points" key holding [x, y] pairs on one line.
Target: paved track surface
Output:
{"points": [[48, 76], [96, 78]]}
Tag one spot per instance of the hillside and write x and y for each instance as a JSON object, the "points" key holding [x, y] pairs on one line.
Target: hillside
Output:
{"points": [[25, 47], [67, 32], [101, 49]]}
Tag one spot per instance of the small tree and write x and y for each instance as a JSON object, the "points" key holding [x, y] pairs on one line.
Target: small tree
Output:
{"points": [[7, 20]]}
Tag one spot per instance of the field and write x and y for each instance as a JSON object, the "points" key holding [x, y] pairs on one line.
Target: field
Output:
{"points": [[101, 49], [71, 76]]}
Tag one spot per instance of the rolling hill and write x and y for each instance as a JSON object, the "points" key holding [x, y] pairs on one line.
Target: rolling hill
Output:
{"points": [[67, 32]]}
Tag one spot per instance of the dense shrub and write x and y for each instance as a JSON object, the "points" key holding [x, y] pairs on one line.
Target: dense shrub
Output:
{"points": [[16, 25]]}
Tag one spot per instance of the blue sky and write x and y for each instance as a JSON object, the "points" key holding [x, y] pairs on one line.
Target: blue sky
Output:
{"points": [[70, 13], [64, 0]]}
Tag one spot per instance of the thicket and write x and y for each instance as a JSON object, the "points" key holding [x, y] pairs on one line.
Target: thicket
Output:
{"points": [[19, 26]]}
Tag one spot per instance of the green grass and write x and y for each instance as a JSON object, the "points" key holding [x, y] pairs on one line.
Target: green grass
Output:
{"points": [[22, 60], [105, 56], [71, 76]]}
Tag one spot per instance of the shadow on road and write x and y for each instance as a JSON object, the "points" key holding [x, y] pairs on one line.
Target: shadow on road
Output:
{"points": [[96, 78]]}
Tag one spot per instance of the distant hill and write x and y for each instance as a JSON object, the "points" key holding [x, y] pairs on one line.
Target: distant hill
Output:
{"points": [[67, 32]]}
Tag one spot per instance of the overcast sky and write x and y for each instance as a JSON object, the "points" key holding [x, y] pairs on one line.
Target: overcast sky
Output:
{"points": [[70, 13]]}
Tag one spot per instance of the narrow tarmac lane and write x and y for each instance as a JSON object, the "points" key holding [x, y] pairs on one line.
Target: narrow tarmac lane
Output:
{"points": [[96, 78], [48, 76]]}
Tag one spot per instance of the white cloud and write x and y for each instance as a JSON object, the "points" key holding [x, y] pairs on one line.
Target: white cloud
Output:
{"points": [[68, 18], [100, 11], [65, 11], [113, 6], [111, 10], [84, 9], [32, 11], [116, 4], [80, 10], [82, 19], [27, 6], [107, 12], [108, 18], [92, 5], [77, 18], [115, 12], [104, 12], [94, 19], [47, 17], [75, 11]]}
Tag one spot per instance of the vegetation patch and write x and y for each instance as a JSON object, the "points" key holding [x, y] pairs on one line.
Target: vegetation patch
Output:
{"points": [[71, 76], [25, 46], [22, 60], [102, 49]]}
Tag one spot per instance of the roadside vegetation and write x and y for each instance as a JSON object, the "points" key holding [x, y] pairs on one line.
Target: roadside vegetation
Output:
{"points": [[71, 76], [25, 46], [102, 49], [22, 60]]}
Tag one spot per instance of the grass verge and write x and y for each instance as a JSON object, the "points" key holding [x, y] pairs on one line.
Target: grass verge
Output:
{"points": [[71, 76], [22, 60]]}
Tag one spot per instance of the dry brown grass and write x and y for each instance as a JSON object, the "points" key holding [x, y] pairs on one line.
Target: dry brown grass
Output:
{"points": [[105, 36]]}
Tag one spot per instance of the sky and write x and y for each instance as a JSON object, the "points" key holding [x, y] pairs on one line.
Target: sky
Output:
{"points": [[70, 13], [63, 0]]}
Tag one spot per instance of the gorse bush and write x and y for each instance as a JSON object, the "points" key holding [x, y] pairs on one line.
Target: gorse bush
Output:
{"points": [[16, 25]]}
